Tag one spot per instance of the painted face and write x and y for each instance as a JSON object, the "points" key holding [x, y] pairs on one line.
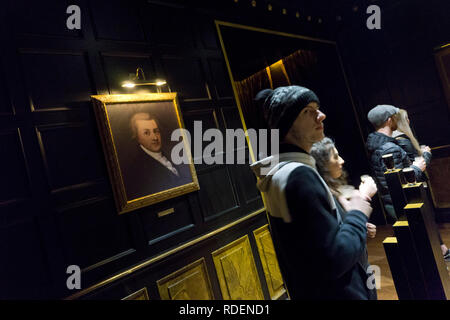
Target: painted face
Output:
{"points": [[148, 134], [335, 164], [308, 126]]}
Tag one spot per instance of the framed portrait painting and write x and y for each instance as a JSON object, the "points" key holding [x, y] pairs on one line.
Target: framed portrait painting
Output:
{"points": [[136, 130]]}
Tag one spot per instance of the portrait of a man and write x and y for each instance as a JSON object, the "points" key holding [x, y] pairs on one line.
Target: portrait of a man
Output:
{"points": [[147, 169], [136, 131]]}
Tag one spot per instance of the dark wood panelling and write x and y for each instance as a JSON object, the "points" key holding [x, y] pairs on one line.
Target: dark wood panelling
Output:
{"points": [[186, 76], [217, 194], [207, 34], [168, 26], [92, 234], [119, 66], [208, 120], [247, 183], [148, 276], [117, 20], [70, 154], [14, 182], [5, 101], [47, 18], [56, 80], [161, 228], [220, 76], [244, 177], [231, 117], [24, 266]]}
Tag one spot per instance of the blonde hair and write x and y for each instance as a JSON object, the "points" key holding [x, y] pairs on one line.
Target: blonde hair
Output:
{"points": [[401, 119]]}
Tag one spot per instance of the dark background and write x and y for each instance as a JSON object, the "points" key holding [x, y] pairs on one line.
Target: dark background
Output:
{"points": [[56, 205]]}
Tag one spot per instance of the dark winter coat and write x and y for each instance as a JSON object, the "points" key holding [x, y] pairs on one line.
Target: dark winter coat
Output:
{"points": [[379, 144], [318, 257]]}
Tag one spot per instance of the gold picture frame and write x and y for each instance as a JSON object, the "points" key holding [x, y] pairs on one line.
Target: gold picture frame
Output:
{"points": [[135, 131]]}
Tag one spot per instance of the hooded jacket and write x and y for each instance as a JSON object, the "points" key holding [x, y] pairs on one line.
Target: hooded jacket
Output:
{"points": [[318, 253], [379, 144]]}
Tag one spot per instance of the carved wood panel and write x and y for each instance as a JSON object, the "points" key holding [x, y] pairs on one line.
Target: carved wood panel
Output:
{"points": [[189, 283], [442, 58], [141, 294], [14, 183], [236, 270], [56, 79], [269, 262]]}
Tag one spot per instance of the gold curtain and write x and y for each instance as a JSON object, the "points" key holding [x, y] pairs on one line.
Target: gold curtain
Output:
{"points": [[300, 67], [246, 91]]}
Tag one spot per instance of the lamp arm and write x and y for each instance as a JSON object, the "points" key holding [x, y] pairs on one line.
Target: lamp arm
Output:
{"points": [[142, 73]]}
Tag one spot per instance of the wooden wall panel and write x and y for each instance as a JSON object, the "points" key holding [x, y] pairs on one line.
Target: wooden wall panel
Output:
{"points": [[439, 173], [141, 294], [220, 75], [186, 76], [208, 120], [169, 26], [189, 283], [117, 20], [5, 100], [237, 272], [92, 234], [160, 226], [442, 58], [207, 34], [70, 154], [24, 260], [56, 79], [269, 262], [217, 194], [45, 17], [14, 183], [231, 117]]}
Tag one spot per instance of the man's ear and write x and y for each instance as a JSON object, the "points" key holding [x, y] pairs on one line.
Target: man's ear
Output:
{"points": [[389, 122]]}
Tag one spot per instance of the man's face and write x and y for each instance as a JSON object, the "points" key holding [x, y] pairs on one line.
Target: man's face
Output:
{"points": [[148, 134], [308, 126]]}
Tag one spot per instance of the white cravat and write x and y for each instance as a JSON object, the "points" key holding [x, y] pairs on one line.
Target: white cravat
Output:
{"points": [[161, 159]]}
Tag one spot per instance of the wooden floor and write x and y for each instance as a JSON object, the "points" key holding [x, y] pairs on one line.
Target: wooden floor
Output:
{"points": [[377, 257]]}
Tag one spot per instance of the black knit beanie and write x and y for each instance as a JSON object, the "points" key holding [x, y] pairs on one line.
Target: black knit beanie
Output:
{"points": [[282, 106]]}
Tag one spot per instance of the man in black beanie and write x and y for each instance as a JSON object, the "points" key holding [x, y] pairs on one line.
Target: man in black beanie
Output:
{"points": [[317, 250]]}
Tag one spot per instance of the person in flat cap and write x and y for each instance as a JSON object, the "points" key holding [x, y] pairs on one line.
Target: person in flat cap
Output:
{"points": [[380, 143], [317, 250]]}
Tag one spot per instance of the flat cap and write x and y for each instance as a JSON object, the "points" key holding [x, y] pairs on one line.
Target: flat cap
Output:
{"points": [[379, 115]]}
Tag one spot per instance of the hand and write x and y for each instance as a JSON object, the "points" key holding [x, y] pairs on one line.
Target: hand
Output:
{"points": [[425, 149], [368, 187], [419, 162], [345, 203], [360, 202], [371, 230]]}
